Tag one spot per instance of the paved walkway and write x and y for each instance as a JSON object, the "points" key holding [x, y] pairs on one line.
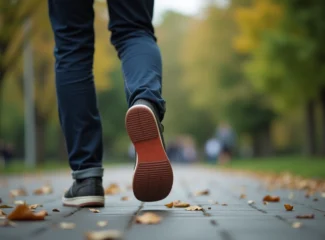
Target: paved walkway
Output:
{"points": [[237, 220]]}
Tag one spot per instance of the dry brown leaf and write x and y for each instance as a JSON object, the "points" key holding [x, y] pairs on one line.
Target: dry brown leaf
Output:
{"points": [[288, 207], [265, 203], [46, 189], [179, 204], [34, 206], [18, 202], [94, 210], [104, 235], [5, 206], [194, 208], [102, 223], [307, 216], [242, 196], [169, 205], [22, 212], [269, 198], [17, 192], [2, 213], [202, 193], [224, 204], [55, 210], [125, 198], [148, 218], [250, 202], [67, 225], [7, 223], [296, 225], [112, 189]]}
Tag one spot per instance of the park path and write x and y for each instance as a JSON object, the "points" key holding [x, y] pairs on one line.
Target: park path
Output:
{"points": [[231, 219]]}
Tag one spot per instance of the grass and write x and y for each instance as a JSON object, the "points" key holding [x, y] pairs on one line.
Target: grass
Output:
{"points": [[18, 167], [305, 167]]}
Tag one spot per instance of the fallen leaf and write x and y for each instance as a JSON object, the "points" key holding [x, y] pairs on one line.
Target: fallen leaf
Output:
{"points": [[179, 204], [224, 204], [126, 198], [202, 193], [209, 208], [67, 225], [288, 207], [47, 189], [104, 235], [55, 210], [296, 225], [265, 203], [112, 189], [250, 202], [307, 216], [2, 213], [17, 192], [94, 210], [34, 206], [269, 198], [102, 223], [22, 212], [7, 223], [5, 206], [213, 202], [242, 196], [169, 205], [19, 202], [194, 208], [148, 218]]}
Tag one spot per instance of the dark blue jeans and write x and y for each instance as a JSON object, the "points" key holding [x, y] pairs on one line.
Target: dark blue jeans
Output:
{"points": [[133, 37]]}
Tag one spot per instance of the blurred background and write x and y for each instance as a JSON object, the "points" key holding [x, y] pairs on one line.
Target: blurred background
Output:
{"points": [[244, 82]]}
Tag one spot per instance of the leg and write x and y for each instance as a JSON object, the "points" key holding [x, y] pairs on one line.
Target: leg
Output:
{"points": [[72, 23], [134, 40]]}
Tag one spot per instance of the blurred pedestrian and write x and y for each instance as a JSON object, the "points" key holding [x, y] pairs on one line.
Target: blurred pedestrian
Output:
{"points": [[226, 136], [134, 39], [212, 149]]}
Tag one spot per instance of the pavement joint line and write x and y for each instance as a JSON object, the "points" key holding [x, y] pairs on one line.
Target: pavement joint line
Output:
{"points": [[225, 235], [133, 217], [308, 206]]}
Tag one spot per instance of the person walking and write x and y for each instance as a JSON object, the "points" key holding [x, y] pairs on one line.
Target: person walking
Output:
{"points": [[132, 35]]}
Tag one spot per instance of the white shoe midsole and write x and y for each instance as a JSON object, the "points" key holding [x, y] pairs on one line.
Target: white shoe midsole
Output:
{"points": [[82, 200]]}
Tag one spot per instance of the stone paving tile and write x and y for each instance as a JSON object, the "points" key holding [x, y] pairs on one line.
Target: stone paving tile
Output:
{"points": [[237, 220]]}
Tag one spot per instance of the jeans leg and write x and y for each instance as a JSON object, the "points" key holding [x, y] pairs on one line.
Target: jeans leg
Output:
{"points": [[72, 24], [134, 39]]}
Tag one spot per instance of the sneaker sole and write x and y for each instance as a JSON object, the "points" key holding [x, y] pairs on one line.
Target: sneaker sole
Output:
{"points": [[153, 175], [87, 201]]}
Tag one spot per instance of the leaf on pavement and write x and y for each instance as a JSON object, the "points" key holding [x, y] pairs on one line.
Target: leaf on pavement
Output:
{"points": [[2, 213], [269, 198], [22, 212], [179, 204], [297, 225], [194, 208], [67, 225], [102, 223], [112, 189], [7, 223], [148, 218], [19, 202], [46, 189], [55, 210], [169, 205], [242, 196], [125, 198], [104, 235], [265, 203], [5, 206], [224, 204], [202, 193], [94, 210], [34, 206], [250, 202], [288, 207], [307, 216], [17, 192]]}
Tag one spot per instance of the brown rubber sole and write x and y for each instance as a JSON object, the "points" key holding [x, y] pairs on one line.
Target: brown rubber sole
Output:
{"points": [[153, 175]]}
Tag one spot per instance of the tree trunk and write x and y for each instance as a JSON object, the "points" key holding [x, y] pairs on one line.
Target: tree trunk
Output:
{"points": [[310, 128], [40, 140], [266, 142], [322, 100]]}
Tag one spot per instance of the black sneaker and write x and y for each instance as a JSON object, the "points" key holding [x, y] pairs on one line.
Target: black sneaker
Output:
{"points": [[153, 176], [85, 193]]}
